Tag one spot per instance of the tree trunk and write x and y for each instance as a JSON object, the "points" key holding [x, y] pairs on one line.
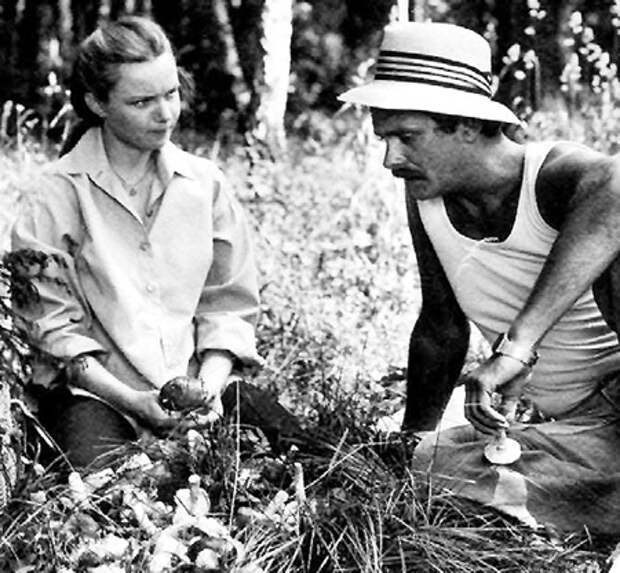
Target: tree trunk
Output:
{"points": [[272, 92], [231, 63], [65, 29], [417, 10], [8, 48], [85, 17], [403, 10]]}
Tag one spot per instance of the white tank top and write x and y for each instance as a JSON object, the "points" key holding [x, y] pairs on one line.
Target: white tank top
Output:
{"points": [[492, 280]]}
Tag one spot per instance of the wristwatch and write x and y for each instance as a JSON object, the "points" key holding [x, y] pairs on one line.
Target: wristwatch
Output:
{"points": [[506, 347]]}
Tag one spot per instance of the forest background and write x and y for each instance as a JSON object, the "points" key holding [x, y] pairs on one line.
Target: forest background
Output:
{"points": [[339, 288]]}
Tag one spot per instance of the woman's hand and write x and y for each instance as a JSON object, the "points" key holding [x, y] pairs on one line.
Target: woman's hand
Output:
{"points": [[192, 395], [214, 413], [499, 375], [215, 370], [149, 411]]}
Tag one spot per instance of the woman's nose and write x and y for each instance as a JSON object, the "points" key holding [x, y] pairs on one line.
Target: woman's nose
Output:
{"points": [[163, 111]]}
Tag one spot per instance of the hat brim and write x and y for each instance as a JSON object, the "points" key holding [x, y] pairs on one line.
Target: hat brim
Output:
{"points": [[394, 95]]}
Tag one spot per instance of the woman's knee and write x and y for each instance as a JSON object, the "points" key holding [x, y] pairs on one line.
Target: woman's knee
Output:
{"points": [[84, 428]]}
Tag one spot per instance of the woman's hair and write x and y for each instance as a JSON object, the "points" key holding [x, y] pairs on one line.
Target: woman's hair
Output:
{"points": [[130, 39]]}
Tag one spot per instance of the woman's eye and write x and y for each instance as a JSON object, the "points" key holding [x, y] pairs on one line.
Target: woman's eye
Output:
{"points": [[172, 94], [140, 103]]}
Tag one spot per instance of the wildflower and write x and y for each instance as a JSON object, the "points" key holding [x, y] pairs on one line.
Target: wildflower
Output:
{"points": [[587, 35], [52, 86], [530, 60], [514, 53], [575, 22]]}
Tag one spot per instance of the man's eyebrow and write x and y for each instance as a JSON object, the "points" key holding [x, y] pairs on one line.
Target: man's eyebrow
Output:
{"points": [[401, 130]]}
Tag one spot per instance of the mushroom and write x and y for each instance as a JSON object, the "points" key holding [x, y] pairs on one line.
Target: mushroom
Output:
{"points": [[502, 450], [182, 393]]}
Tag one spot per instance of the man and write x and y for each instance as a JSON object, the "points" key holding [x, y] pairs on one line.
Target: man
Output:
{"points": [[520, 240]]}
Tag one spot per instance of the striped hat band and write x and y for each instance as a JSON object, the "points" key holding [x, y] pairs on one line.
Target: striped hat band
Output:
{"points": [[432, 70]]}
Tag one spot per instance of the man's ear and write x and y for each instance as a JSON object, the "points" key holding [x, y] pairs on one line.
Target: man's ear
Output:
{"points": [[469, 129], [94, 105]]}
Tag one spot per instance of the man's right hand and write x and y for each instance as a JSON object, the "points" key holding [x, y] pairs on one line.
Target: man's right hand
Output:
{"points": [[501, 375], [149, 411]]}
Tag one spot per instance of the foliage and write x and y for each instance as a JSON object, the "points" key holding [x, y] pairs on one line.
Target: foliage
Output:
{"points": [[541, 48], [340, 293], [330, 39], [339, 296]]}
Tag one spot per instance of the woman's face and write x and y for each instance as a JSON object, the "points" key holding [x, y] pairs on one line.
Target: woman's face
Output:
{"points": [[143, 106]]}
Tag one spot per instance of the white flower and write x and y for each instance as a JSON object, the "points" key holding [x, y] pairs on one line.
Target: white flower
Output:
{"points": [[514, 52], [530, 59], [588, 35], [575, 20]]}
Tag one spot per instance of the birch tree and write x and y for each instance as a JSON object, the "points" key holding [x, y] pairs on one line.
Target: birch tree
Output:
{"points": [[272, 90]]}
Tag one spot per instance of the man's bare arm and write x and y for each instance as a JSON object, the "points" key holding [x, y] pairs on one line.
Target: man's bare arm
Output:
{"points": [[588, 217], [439, 340], [578, 193]]}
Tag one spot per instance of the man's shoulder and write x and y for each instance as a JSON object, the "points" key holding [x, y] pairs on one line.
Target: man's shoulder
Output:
{"points": [[564, 169], [568, 161]]}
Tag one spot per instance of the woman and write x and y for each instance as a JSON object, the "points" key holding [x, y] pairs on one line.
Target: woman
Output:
{"points": [[153, 254]]}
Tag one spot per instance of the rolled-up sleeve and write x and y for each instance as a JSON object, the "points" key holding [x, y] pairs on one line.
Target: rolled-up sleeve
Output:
{"points": [[228, 308], [57, 318]]}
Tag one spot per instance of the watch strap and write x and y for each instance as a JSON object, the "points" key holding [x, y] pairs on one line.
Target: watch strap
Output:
{"points": [[506, 347]]}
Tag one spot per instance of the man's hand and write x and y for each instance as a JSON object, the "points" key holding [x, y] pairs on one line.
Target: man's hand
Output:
{"points": [[499, 375]]}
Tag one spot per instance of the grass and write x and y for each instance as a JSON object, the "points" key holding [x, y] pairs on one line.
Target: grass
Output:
{"points": [[340, 295]]}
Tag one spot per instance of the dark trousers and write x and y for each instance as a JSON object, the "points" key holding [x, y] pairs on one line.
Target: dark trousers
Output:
{"points": [[85, 429]]}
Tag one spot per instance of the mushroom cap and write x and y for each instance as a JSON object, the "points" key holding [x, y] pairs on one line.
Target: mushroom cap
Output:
{"points": [[182, 393], [502, 450]]}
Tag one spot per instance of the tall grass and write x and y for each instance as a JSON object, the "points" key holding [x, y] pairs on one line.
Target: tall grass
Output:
{"points": [[340, 290], [339, 296]]}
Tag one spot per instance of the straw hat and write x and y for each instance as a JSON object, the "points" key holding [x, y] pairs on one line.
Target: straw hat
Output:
{"points": [[439, 68]]}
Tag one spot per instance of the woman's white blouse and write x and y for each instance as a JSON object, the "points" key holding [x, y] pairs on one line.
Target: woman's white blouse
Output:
{"points": [[148, 293]]}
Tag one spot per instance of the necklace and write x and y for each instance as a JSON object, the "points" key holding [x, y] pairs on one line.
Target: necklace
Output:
{"points": [[139, 192], [132, 187]]}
